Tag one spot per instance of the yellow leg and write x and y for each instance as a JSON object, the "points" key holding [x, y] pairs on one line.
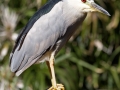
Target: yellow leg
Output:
{"points": [[51, 67], [55, 86]]}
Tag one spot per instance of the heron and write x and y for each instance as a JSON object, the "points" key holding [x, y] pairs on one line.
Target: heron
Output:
{"points": [[47, 31]]}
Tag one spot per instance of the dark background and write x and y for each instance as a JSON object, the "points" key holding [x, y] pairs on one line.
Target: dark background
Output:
{"points": [[89, 61]]}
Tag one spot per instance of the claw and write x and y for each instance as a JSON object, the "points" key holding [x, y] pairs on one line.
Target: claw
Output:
{"points": [[59, 87]]}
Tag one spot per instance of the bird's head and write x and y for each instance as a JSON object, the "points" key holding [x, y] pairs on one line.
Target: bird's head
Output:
{"points": [[89, 6]]}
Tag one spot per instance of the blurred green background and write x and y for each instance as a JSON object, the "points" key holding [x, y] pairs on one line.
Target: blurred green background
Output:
{"points": [[89, 61]]}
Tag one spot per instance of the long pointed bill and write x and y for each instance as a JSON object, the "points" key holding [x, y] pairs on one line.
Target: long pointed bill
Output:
{"points": [[99, 8]]}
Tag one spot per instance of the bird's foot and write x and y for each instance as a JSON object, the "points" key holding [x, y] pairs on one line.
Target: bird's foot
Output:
{"points": [[58, 87]]}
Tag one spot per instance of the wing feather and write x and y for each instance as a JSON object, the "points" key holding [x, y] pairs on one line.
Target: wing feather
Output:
{"points": [[41, 37]]}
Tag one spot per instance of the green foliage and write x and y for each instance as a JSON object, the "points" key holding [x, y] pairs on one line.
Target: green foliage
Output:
{"points": [[89, 61]]}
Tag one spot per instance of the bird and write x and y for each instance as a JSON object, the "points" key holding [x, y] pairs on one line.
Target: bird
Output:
{"points": [[47, 31]]}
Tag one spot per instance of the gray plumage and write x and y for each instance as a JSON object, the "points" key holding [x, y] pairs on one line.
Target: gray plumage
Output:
{"points": [[46, 33]]}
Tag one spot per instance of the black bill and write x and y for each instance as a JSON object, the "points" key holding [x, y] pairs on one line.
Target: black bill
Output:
{"points": [[99, 8]]}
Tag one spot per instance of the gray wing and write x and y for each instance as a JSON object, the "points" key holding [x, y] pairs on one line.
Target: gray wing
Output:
{"points": [[42, 36]]}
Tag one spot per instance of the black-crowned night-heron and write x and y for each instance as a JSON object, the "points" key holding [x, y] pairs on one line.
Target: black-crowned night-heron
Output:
{"points": [[47, 32]]}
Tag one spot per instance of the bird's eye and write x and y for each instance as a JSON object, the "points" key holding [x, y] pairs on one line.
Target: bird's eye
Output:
{"points": [[83, 1]]}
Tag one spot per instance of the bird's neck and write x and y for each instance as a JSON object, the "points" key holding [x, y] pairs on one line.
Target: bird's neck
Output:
{"points": [[72, 13]]}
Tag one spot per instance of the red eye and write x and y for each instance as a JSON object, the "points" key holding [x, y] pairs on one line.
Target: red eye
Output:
{"points": [[83, 1]]}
